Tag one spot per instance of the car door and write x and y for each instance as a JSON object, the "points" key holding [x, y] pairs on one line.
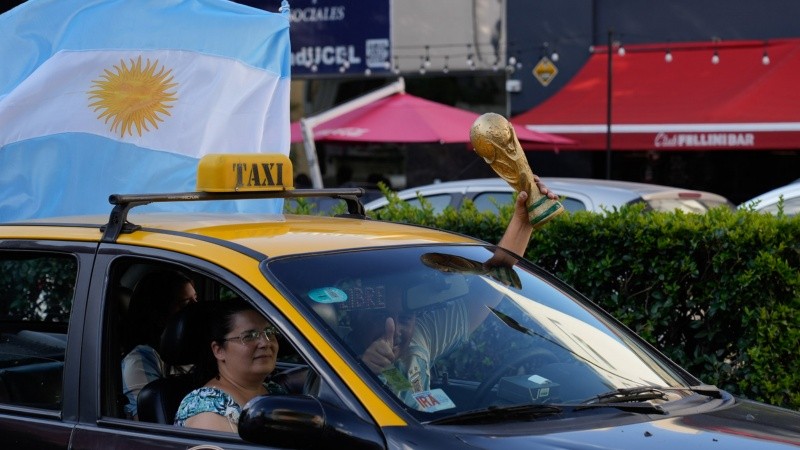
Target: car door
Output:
{"points": [[103, 423], [43, 286]]}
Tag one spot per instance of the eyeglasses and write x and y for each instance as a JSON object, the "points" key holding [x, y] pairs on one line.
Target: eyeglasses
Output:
{"points": [[251, 337]]}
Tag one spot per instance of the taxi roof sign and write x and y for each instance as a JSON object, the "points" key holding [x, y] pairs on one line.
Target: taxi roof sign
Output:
{"points": [[250, 172]]}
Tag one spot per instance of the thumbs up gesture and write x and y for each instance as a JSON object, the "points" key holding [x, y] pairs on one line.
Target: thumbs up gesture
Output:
{"points": [[381, 354]]}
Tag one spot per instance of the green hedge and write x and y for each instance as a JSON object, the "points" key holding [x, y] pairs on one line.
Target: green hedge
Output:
{"points": [[718, 293]]}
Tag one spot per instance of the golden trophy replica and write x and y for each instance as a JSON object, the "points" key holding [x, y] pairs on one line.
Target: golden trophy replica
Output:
{"points": [[494, 139]]}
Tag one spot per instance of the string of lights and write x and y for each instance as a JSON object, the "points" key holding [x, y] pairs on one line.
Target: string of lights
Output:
{"points": [[715, 46], [444, 57]]}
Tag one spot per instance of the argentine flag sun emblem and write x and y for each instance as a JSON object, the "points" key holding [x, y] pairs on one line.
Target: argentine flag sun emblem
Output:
{"points": [[133, 96]]}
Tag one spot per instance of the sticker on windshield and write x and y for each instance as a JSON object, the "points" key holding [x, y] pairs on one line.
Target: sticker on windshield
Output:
{"points": [[327, 295], [433, 400], [538, 380]]}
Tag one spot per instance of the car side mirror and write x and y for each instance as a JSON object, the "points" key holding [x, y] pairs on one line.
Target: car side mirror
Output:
{"points": [[303, 421]]}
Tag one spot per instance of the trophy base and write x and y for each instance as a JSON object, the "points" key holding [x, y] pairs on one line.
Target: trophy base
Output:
{"points": [[543, 210]]}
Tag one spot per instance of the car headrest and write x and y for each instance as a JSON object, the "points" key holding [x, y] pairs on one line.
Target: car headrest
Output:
{"points": [[184, 338]]}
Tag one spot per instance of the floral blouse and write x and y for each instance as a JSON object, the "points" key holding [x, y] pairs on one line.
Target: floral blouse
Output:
{"points": [[210, 399]]}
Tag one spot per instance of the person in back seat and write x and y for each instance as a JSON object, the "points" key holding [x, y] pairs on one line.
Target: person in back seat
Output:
{"points": [[156, 297]]}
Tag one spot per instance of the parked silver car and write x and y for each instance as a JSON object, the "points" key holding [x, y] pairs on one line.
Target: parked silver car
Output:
{"points": [[769, 202], [578, 194]]}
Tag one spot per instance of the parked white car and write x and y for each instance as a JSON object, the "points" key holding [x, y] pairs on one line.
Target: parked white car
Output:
{"points": [[768, 202], [578, 194]]}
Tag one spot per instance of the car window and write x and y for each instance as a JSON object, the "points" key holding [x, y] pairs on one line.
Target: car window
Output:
{"points": [[139, 360], [526, 328], [36, 295], [315, 205], [438, 201], [687, 205], [791, 207], [489, 201], [572, 204]]}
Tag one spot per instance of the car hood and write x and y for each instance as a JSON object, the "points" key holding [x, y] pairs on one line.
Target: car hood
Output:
{"points": [[746, 425]]}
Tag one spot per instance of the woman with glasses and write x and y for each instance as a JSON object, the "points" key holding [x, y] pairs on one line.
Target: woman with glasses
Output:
{"points": [[242, 349]]}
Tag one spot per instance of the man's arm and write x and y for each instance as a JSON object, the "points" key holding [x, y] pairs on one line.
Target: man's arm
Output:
{"points": [[139, 367], [515, 239], [519, 230]]}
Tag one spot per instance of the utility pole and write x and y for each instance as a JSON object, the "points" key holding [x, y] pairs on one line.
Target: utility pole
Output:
{"points": [[609, 91]]}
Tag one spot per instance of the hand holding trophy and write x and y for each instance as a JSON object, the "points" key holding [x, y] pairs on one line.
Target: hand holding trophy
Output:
{"points": [[494, 139]]}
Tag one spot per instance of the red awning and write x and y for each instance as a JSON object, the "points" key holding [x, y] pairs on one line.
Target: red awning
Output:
{"points": [[404, 118], [739, 103]]}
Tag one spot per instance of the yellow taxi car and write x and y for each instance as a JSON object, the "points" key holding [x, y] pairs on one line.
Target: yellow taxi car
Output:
{"points": [[487, 355]]}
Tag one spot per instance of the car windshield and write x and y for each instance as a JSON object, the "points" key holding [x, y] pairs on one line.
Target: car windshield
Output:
{"points": [[467, 331], [687, 205]]}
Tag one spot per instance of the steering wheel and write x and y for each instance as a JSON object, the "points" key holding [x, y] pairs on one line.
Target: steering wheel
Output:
{"points": [[539, 355]]}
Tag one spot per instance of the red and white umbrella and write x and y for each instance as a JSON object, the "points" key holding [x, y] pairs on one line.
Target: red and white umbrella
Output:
{"points": [[404, 118]]}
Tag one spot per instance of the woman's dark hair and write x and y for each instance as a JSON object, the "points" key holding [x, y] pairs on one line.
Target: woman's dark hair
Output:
{"points": [[151, 301], [220, 317]]}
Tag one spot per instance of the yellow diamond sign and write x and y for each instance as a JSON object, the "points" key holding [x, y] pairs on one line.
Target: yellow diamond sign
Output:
{"points": [[545, 71]]}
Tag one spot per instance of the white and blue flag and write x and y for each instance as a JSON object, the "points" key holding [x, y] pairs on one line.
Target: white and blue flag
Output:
{"points": [[116, 96]]}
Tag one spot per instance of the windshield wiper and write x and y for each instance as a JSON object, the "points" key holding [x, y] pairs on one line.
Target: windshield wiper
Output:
{"points": [[622, 395], [628, 400], [634, 407], [499, 413], [642, 393], [634, 399], [709, 390]]}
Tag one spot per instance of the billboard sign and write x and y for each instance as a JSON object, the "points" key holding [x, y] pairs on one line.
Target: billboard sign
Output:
{"points": [[334, 37]]}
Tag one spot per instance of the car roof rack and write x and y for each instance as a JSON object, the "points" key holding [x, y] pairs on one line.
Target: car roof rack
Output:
{"points": [[123, 203]]}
